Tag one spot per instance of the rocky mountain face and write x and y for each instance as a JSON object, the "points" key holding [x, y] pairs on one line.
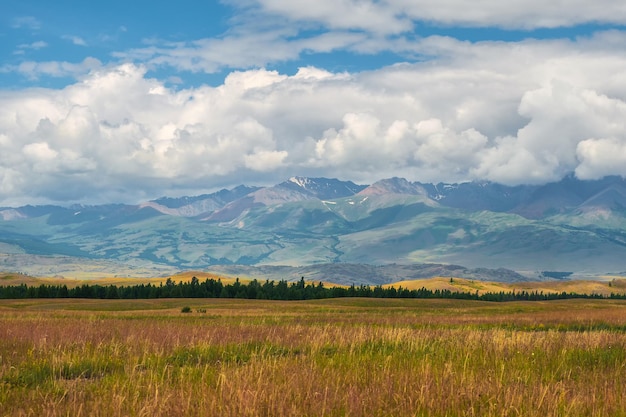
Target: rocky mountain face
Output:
{"points": [[571, 225]]}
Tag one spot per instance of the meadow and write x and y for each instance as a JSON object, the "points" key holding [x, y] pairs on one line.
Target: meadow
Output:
{"points": [[333, 357]]}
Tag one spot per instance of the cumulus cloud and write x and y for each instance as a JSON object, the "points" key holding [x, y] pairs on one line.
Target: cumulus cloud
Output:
{"points": [[366, 145], [525, 112], [265, 160], [601, 157]]}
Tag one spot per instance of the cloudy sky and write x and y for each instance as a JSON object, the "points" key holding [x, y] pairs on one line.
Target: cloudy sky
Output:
{"points": [[123, 101]]}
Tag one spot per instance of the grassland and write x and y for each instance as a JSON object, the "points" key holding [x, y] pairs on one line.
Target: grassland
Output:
{"points": [[8, 278], [605, 286], [338, 357]]}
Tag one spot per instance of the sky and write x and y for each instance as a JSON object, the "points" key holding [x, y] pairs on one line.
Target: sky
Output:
{"points": [[125, 101]]}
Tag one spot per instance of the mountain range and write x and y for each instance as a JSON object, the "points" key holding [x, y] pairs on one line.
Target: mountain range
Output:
{"points": [[313, 224]]}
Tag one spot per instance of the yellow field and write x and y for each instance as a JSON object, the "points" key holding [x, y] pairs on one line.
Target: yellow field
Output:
{"points": [[18, 279], [606, 286], [335, 357], [617, 286]]}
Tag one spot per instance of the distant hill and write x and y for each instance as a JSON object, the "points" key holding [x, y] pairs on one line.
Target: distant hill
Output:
{"points": [[348, 274], [336, 228], [604, 288], [430, 281]]}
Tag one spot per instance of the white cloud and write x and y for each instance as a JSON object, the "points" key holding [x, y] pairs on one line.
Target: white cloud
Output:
{"points": [[366, 147], [371, 16], [265, 161], [525, 112], [76, 40], [395, 16], [35, 45], [33, 69], [270, 32], [545, 148], [28, 22], [39, 152], [240, 49], [601, 157]]}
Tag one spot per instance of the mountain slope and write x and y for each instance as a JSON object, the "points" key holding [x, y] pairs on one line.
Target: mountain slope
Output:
{"points": [[294, 190], [570, 225]]}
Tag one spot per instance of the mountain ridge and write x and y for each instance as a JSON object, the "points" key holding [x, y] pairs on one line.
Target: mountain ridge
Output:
{"points": [[570, 225]]}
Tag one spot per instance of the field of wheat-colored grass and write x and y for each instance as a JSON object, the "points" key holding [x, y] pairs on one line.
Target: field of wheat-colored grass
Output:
{"points": [[71, 282], [604, 287], [336, 357]]}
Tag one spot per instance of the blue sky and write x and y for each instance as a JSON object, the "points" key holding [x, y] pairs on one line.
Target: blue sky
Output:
{"points": [[71, 31], [124, 101]]}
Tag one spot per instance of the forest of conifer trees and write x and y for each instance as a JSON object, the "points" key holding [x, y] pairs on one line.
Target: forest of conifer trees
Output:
{"points": [[267, 290]]}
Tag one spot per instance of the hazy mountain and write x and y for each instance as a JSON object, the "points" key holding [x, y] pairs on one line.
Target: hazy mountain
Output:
{"points": [[477, 196], [570, 225], [194, 206], [294, 190], [11, 214], [323, 188], [394, 186], [348, 274], [529, 201]]}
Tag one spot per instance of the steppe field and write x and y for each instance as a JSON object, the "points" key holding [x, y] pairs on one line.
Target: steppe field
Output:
{"points": [[336, 357]]}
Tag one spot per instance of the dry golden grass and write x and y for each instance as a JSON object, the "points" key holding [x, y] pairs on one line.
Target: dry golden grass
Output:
{"points": [[341, 357], [443, 283], [605, 286], [617, 286], [8, 278], [18, 279]]}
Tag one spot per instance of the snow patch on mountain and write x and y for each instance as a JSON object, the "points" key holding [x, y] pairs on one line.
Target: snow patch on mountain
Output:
{"points": [[300, 181], [12, 214]]}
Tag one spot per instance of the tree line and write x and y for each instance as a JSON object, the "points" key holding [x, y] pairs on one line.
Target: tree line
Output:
{"points": [[268, 290]]}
